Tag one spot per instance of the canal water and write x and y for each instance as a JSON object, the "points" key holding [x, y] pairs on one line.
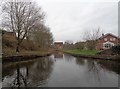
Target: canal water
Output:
{"points": [[61, 70]]}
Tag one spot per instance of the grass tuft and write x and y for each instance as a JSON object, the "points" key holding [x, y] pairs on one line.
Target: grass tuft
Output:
{"points": [[83, 52]]}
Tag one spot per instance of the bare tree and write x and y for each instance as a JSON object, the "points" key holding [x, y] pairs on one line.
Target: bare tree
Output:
{"points": [[21, 18], [79, 45], [42, 36], [68, 44], [91, 38]]}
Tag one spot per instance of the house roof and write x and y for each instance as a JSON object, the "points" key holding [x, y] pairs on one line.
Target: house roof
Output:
{"points": [[107, 35], [58, 43]]}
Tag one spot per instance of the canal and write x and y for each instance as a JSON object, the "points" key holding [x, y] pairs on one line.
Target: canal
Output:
{"points": [[61, 70]]}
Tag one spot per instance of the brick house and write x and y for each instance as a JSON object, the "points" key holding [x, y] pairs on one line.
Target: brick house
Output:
{"points": [[58, 45], [9, 33], [106, 41]]}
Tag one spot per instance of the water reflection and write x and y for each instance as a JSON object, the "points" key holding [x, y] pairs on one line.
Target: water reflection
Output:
{"points": [[95, 69], [8, 69], [110, 65], [58, 54], [20, 79], [68, 58], [92, 68], [32, 74], [0, 72], [67, 72], [80, 61]]}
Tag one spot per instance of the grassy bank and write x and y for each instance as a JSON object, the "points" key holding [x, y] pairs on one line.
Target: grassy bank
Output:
{"points": [[10, 52], [24, 56], [92, 54], [82, 52]]}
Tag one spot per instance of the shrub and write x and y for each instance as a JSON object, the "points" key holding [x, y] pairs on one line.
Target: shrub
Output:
{"points": [[28, 45], [9, 41], [116, 49]]}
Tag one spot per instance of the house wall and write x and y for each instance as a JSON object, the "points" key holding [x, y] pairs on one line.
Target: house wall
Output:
{"points": [[58, 45], [101, 41], [10, 34]]}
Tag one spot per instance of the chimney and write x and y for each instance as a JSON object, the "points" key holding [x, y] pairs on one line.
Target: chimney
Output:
{"points": [[102, 34]]}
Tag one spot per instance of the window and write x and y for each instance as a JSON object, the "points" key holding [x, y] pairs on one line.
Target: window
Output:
{"points": [[105, 39], [111, 39], [114, 39], [108, 45]]}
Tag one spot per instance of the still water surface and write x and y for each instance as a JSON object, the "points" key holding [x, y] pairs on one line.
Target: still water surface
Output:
{"points": [[61, 70]]}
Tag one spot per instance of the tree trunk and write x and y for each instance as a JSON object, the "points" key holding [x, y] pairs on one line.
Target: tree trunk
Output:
{"points": [[18, 76], [17, 48]]}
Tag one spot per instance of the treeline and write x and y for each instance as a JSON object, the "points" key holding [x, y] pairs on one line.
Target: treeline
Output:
{"points": [[27, 21], [82, 45], [90, 41]]}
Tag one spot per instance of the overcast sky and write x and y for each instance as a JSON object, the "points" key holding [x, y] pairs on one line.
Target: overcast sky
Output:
{"points": [[69, 19]]}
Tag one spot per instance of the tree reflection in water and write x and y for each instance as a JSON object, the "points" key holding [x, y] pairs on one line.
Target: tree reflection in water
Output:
{"points": [[0, 69], [80, 61], [93, 69], [58, 54], [109, 65], [0, 72], [68, 58], [97, 66], [19, 80], [41, 71], [32, 74], [36, 73]]}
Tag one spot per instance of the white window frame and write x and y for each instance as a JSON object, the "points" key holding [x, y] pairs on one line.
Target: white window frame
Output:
{"points": [[105, 39], [111, 39], [108, 43], [114, 39]]}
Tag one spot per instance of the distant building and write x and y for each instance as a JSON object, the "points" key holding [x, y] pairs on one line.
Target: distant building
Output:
{"points": [[58, 45], [107, 41], [58, 55], [9, 33]]}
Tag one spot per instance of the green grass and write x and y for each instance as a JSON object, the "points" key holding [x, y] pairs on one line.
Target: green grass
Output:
{"points": [[82, 52]]}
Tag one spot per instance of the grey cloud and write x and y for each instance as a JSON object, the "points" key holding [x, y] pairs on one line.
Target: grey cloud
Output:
{"points": [[69, 20]]}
